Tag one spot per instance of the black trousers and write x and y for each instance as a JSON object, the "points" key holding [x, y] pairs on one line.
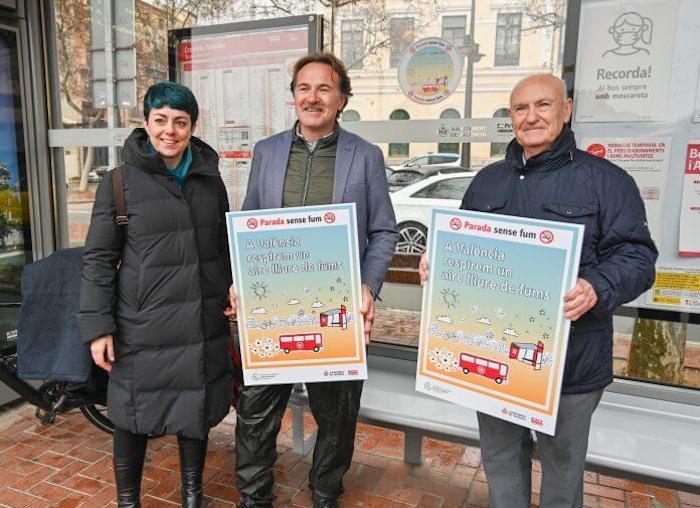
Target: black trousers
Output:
{"points": [[259, 415]]}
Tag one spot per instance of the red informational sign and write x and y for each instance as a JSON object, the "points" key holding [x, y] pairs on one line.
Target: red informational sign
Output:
{"points": [[692, 159], [242, 44], [596, 149]]}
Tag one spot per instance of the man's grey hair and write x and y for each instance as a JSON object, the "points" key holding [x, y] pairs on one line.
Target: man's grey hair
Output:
{"points": [[556, 81]]}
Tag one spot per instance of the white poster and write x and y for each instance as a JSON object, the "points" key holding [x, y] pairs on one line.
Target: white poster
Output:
{"points": [[624, 61], [646, 160], [689, 236], [241, 82]]}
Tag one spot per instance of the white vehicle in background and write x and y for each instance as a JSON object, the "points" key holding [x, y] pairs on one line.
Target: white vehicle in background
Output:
{"points": [[429, 160], [413, 206]]}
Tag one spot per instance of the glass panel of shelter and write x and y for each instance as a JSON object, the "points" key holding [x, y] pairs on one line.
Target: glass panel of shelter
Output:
{"points": [[373, 35]]}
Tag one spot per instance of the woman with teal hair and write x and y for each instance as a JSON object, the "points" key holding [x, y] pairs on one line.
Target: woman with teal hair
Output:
{"points": [[154, 291]]}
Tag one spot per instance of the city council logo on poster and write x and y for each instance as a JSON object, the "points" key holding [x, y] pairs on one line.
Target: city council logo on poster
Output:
{"points": [[430, 70]]}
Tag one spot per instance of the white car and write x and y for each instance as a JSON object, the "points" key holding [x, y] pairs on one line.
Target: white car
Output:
{"points": [[429, 160], [413, 206]]}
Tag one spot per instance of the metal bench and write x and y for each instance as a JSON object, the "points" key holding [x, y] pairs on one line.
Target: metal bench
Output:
{"points": [[635, 437]]}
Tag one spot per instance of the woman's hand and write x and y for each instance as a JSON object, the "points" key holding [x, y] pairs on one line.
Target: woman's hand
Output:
{"points": [[102, 350], [230, 311]]}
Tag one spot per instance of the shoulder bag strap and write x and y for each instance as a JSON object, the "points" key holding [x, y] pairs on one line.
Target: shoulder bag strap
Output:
{"points": [[121, 218]]}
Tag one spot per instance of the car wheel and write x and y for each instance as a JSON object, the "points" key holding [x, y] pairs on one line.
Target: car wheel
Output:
{"points": [[412, 238]]}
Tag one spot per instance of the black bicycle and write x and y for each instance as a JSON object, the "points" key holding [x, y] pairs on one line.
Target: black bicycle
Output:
{"points": [[52, 398]]}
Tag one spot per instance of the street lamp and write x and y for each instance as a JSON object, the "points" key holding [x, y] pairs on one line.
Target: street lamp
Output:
{"points": [[470, 50]]}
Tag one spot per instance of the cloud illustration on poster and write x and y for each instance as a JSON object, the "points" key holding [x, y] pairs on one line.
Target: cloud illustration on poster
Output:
{"points": [[511, 332], [484, 321], [317, 304], [293, 301], [258, 310], [444, 319]]}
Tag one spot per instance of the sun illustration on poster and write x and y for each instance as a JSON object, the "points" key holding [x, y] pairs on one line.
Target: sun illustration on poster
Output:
{"points": [[259, 289], [449, 297]]}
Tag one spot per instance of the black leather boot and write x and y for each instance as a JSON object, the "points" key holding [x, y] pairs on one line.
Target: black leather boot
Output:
{"points": [[192, 455], [322, 501], [129, 454]]}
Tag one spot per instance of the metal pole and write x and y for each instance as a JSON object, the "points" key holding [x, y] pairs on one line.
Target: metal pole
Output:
{"points": [[468, 86], [110, 75]]}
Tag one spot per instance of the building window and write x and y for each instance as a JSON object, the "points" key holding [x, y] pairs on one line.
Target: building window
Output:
{"points": [[508, 26], [399, 149], [450, 113], [499, 149], [454, 28], [401, 35], [351, 44], [350, 116]]}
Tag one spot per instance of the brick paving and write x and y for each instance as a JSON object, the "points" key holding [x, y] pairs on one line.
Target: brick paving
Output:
{"points": [[68, 464]]}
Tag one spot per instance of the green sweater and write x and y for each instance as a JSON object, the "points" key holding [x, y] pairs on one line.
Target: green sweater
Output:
{"points": [[309, 177]]}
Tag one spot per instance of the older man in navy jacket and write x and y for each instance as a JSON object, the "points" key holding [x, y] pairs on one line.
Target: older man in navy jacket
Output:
{"points": [[544, 176]]}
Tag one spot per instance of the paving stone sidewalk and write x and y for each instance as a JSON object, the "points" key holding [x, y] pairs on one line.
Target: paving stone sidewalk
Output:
{"points": [[68, 464]]}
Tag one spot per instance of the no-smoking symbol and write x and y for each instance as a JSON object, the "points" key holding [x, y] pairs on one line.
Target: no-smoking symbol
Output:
{"points": [[329, 217], [455, 223], [252, 223], [546, 236]]}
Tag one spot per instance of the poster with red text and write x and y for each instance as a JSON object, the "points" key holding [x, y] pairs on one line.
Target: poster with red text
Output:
{"points": [[688, 238], [493, 335], [646, 160], [297, 277]]}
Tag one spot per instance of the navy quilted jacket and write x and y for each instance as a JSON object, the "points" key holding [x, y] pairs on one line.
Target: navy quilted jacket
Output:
{"points": [[569, 185]]}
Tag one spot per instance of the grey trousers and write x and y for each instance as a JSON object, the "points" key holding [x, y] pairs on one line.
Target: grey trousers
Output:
{"points": [[259, 415], [506, 452]]}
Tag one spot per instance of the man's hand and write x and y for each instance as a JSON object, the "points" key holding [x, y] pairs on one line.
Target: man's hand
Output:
{"points": [[579, 300], [102, 350], [423, 269], [230, 311], [367, 311]]}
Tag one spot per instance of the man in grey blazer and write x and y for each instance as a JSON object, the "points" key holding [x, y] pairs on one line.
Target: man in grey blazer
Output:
{"points": [[315, 163]]}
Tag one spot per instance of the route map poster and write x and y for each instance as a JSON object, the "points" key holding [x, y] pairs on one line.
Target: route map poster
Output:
{"points": [[241, 82], [493, 335], [297, 278]]}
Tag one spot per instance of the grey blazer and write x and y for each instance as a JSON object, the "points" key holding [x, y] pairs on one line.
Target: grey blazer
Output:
{"points": [[359, 178]]}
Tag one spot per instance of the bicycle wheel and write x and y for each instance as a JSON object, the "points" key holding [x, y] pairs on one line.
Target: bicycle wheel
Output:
{"points": [[97, 415]]}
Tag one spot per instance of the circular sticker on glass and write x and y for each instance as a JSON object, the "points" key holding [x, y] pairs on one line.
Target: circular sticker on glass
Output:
{"points": [[430, 70]]}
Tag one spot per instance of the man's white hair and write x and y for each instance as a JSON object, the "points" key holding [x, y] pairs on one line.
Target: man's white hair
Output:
{"points": [[557, 82]]}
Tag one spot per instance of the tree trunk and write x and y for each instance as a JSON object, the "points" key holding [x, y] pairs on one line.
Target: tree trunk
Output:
{"points": [[87, 165], [657, 350]]}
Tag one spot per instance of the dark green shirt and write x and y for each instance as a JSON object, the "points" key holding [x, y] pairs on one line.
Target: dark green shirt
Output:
{"points": [[310, 173]]}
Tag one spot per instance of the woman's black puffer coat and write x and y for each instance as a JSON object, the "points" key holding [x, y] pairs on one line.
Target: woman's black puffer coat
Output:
{"points": [[163, 305]]}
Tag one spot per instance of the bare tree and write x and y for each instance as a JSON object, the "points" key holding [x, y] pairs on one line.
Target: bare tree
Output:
{"points": [[547, 15], [153, 20]]}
